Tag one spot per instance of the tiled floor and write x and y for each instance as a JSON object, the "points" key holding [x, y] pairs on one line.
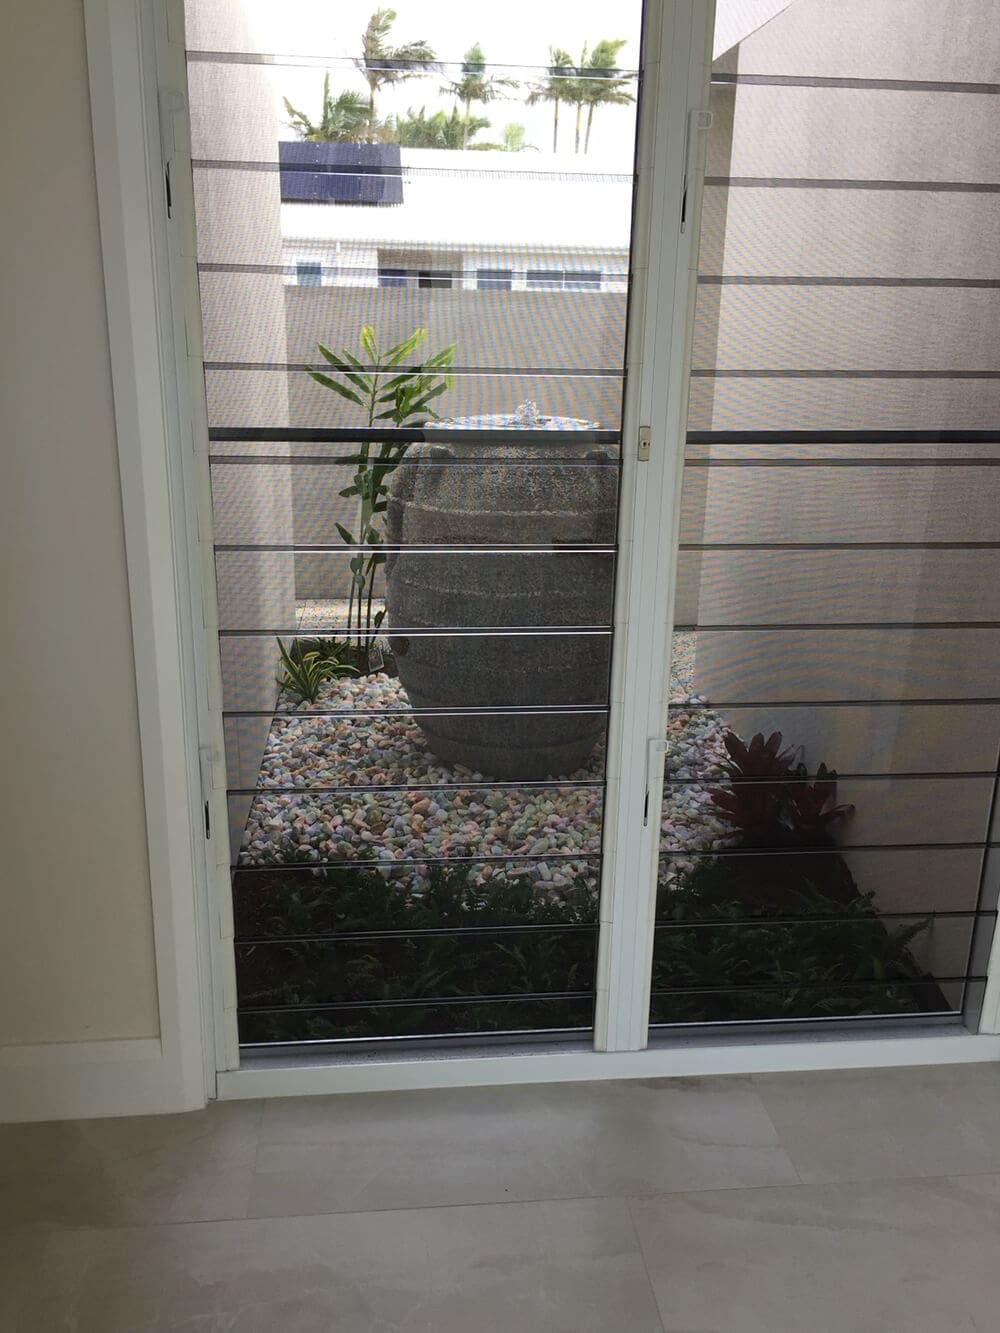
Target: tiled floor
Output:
{"points": [[819, 1203]]}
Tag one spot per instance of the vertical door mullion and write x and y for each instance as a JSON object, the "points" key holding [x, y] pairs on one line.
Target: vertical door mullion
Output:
{"points": [[676, 63]]}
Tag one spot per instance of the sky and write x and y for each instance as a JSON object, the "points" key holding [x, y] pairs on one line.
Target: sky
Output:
{"points": [[513, 32]]}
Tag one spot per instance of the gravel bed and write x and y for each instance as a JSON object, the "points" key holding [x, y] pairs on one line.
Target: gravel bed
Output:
{"points": [[381, 745]]}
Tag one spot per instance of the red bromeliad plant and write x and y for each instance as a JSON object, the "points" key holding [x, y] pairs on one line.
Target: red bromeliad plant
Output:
{"points": [[772, 800]]}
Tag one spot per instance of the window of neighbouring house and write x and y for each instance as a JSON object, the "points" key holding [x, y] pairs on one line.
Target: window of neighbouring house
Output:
{"points": [[563, 280], [416, 277], [494, 279], [309, 274]]}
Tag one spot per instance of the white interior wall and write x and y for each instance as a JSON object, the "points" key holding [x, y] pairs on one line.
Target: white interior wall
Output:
{"points": [[76, 950]]}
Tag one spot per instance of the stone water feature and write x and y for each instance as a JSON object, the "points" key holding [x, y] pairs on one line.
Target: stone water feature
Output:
{"points": [[483, 493]]}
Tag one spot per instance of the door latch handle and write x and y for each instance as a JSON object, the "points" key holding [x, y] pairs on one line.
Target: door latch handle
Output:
{"points": [[656, 748]]}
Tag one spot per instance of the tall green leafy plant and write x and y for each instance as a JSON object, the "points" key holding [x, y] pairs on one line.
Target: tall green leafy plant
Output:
{"points": [[390, 390], [343, 119]]}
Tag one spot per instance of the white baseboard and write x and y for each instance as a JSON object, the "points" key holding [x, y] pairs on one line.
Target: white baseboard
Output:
{"points": [[86, 1079], [319, 1075]]}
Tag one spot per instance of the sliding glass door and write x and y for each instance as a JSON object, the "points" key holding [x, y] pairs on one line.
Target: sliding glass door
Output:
{"points": [[414, 257], [831, 747], [500, 544]]}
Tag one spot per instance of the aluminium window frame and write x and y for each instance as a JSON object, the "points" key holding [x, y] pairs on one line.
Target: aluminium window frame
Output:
{"points": [[140, 130]]}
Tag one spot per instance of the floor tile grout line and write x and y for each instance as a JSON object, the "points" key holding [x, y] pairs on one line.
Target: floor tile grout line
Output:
{"points": [[631, 1197], [254, 1167], [645, 1265], [777, 1137], [407, 1208]]}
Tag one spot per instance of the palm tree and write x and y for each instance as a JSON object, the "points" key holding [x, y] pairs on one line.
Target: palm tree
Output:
{"points": [[418, 130], [383, 64], [603, 83], [344, 118], [475, 85], [513, 139], [556, 87]]}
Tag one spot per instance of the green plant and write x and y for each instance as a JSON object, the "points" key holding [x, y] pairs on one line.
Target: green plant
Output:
{"points": [[719, 958], [475, 85], [343, 119], [382, 64], [600, 83], [556, 87], [305, 669], [361, 935], [445, 941], [386, 391], [595, 81], [418, 130]]}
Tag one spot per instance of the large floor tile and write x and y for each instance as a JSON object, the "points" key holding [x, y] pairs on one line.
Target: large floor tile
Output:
{"points": [[570, 1267], [175, 1168], [492, 1144], [21, 1251], [917, 1256], [875, 1123]]}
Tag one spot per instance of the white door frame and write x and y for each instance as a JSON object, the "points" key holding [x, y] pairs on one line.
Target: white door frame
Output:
{"points": [[154, 432], [150, 276]]}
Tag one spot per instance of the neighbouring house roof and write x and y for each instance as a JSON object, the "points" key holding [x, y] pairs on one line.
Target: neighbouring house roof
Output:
{"points": [[486, 199]]}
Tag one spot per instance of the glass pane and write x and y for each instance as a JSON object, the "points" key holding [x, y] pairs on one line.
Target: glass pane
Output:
{"points": [[415, 448], [831, 749]]}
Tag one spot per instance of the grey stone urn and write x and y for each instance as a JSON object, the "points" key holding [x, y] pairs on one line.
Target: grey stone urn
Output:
{"points": [[476, 493]]}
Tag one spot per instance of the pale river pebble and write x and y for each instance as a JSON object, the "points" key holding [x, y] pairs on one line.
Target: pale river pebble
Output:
{"points": [[377, 744]]}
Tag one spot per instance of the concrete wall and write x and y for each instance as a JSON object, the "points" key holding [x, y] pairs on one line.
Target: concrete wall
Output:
{"points": [[76, 948], [776, 138]]}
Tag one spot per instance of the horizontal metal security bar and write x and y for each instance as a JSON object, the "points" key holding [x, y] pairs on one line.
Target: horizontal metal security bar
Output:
{"points": [[883, 983], [436, 1041], [872, 85], [865, 1023], [295, 868], [589, 928], [346, 460], [749, 853], [838, 546], [784, 373], [430, 932], [781, 626], [571, 260], [865, 463], [764, 922], [833, 183], [406, 171], [419, 548], [811, 776], [987, 701], [699, 780], [479, 372], [796, 280], [943, 436], [364, 715], [420, 632], [718, 78], [421, 1002], [565, 785], [428, 66], [402, 435]]}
